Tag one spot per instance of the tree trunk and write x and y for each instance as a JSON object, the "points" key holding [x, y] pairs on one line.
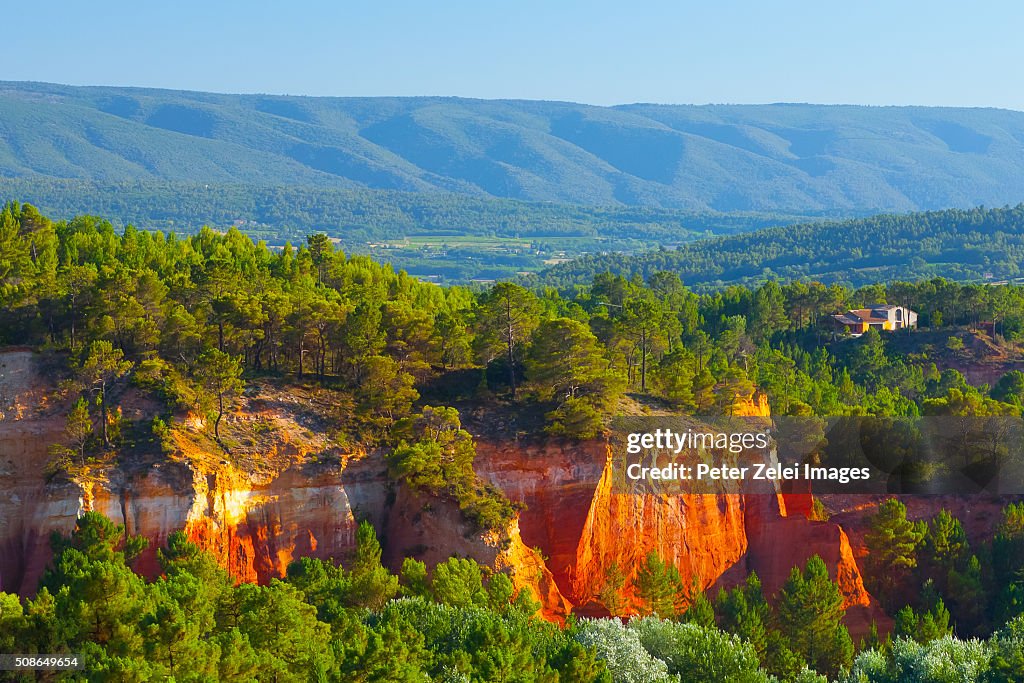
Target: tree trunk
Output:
{"points": [[220, 413], [257, 351], [511, 345], [511, 368], [103, 413], [322, 357], [643, 361]]}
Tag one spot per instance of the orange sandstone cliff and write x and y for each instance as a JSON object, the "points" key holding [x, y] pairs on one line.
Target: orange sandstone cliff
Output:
{"points": [[292, 493], [583, 527]]}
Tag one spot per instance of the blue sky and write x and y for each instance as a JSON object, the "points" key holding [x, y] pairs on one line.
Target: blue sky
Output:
{"points": [[902, 52]]}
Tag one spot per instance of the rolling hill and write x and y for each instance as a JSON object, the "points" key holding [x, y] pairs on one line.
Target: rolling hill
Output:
{"points": [[789, 158], [985, 245], [357, 216], [445, 237]]}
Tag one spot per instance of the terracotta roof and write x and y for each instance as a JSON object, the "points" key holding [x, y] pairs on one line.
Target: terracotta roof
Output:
{"points": [[865, 314]]}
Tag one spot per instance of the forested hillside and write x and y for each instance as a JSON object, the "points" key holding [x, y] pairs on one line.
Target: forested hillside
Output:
{"points": [[356, 217], [218, 303], [787, 158], [187, 322], [983, 245], [447, 237]]}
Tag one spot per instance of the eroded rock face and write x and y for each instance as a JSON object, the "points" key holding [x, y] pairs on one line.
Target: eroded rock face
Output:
{"points": [[254, 523], [254, 527], [778, 542], [583, 526], [31, 507], [573, 529], [432, 530]]}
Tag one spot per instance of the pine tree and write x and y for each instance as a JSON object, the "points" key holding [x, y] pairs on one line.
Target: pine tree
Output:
{"points": [[968, 595], [413, 578], [101, 365], [220, 376], [12, 621], [459, 582], [451, 339], [945, 547], [659, 585], [507, 316], [610, 595], [930, 625], [644, 320], [892, 543], [809, 613], [745, 612], [320, 251], [675, 378], [1008, 563], [371, 584], [703, 391], [77, 431], [564, 359], [768, 314], [699, 609]]}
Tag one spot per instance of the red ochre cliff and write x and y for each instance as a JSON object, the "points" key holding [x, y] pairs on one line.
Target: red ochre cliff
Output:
{"points": [[303, 496], [582, 526]]}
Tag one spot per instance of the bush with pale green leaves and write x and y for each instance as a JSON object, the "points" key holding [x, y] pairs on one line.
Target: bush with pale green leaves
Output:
{"points": [[697, 653], [622, 652], [653, 649], [944, 660]]}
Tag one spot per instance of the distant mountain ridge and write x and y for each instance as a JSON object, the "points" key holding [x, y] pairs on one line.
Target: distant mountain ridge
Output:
{"points": [[796, 158]]}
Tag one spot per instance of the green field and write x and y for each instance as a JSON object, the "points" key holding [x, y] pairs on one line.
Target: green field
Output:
{"points": [[443, 258]]}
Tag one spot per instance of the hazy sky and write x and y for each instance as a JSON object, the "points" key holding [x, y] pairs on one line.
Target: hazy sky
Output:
{"points": [[867, 52]]}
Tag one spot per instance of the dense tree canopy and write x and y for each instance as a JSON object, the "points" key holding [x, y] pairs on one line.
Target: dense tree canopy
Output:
{"points": [[960, 244], [147, 304]]}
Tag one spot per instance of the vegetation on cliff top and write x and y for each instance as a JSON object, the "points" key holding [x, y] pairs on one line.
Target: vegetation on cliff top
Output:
{"points": [[184, 318], [382, 336]]}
